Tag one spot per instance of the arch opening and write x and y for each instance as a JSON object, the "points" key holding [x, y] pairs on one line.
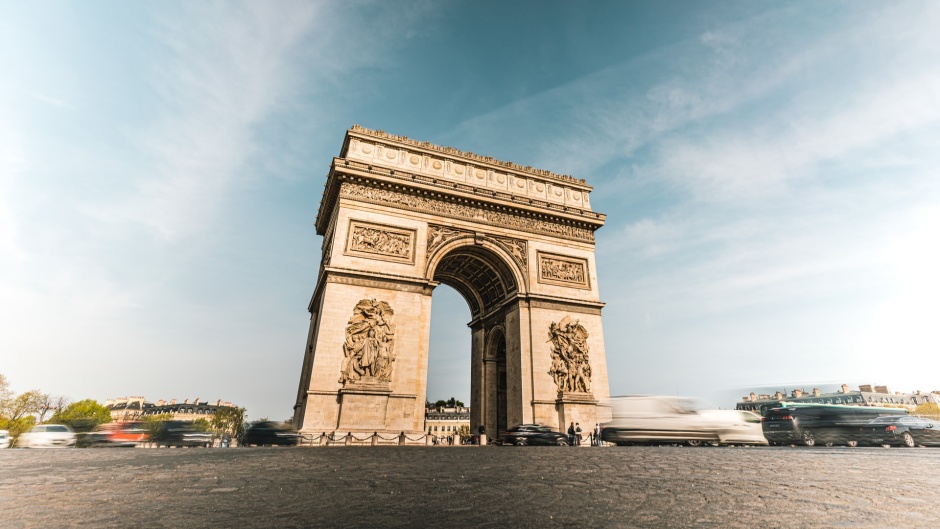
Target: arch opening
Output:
{"points": [[486, 281]]}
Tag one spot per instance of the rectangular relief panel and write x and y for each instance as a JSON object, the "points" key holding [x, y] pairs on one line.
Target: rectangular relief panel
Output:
{"points": [[563, 270], [378, 241]]}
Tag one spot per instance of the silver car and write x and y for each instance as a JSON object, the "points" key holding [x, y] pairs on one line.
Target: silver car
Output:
{"points": [[4, 438], [47, 436]]}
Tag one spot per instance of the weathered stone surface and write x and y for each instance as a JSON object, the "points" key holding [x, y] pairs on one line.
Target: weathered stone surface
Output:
{"points": [[470, 487]]}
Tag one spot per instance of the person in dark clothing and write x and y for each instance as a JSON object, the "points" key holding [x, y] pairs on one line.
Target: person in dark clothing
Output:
{"points": [[571, 434]]}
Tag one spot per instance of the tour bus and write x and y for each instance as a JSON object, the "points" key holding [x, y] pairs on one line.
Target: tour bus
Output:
{"points": [[819, 424]]}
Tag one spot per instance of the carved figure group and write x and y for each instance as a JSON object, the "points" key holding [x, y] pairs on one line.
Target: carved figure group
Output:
{"points": [[571, 366], [562, 270], [372, 240], [370, 343]]}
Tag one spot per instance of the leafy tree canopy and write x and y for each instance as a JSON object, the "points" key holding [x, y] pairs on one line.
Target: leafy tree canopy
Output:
{"points": [[82, 415], [450, 403], [229, 421]]}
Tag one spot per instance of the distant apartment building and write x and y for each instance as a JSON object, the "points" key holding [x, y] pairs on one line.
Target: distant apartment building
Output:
{"points": [[865, 396], [133, 408], [445, 422]]}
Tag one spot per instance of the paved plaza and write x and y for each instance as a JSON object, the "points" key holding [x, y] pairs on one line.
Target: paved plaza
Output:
{"points": [[491, 486]]}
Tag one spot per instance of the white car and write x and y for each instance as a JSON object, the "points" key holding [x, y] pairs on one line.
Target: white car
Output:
{"points": [[4, 438], [47, 436], [673, 419]]}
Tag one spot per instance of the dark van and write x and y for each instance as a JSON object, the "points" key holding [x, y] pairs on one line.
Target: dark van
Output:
{"points": [[819, 424]]}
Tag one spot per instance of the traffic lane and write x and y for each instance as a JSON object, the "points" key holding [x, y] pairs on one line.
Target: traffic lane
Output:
{"points": [[479, 486]]}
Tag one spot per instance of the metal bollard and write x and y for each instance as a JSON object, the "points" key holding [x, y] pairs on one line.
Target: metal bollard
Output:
{"points": [[401, 438], [375, 438], [348, 438], [323, 440]]}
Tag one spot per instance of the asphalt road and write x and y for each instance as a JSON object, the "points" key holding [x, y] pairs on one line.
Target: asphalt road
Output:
{"points": [[503, 487]]}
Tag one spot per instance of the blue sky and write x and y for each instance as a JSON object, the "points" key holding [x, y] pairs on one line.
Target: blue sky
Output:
{"points": [[769, 171]]}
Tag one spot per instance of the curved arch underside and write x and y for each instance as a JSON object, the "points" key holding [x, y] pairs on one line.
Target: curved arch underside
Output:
{"points": [[482, 278]]}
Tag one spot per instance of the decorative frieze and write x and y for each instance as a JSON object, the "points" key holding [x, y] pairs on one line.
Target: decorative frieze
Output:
{"points": [[462, 211], [469, 155], [563, 270], [571, 366], [369, 349], [377, 241]]}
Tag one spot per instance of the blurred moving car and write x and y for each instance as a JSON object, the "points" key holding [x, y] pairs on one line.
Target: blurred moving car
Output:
{"points": [[47, 436], [125, 434], [901, 430], [533, 434], [820, 424], [271, 433], [735, 427], [658, 419], [4, 438], [180, 433]]}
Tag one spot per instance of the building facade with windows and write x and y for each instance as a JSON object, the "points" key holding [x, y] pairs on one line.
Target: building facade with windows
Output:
{"points": [[446, 422], [865, 396], [134, 408]]}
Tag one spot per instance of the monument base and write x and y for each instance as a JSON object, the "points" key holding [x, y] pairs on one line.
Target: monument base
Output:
{"points": [[579, 408], [363, 406]]}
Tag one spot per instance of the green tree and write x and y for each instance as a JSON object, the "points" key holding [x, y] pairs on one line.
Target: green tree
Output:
{"points": [[152, 424], [229, 421], [17, 411], [929, 410], [83, 415]]}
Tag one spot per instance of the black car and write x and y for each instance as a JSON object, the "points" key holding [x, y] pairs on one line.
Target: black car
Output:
{"points": [[271, 433], [901, 430], [180, 433], [533, 434], [820, 424]]}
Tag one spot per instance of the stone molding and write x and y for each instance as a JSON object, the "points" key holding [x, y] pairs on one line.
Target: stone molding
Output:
{"points": [[424, 204], [380, 134], [592, 308], [561, 270], [483, 192], [402, 283], [575, 398], [380, 241]]}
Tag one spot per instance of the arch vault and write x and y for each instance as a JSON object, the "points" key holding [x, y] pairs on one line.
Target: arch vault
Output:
{"points": [[399, 217]]}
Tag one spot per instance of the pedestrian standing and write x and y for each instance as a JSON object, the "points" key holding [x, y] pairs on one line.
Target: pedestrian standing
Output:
{"points": [[571, 434], [577, 434], [597, 434]]}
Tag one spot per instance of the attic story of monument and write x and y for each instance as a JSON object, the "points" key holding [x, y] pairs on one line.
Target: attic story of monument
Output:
{"points": [[399, 217]]}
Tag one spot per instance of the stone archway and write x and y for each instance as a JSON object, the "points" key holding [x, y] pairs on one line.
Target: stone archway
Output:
{"points": [[400, 217]]}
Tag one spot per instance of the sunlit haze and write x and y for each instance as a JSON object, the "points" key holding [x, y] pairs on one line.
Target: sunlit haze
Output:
{"points": [[770, 174]]}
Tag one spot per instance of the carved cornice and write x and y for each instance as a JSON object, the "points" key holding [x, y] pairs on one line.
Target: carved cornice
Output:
{"points": [[403, 284], [482, 192], [465, 211], [582, 307], [380, 134]]}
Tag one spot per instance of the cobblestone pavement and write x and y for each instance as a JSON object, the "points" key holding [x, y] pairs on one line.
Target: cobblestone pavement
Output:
{"points": [[471, 487]]}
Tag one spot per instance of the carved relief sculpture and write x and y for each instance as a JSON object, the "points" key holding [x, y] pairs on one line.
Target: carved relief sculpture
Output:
{"points": [[369, 348], [566, 271], [571, 367], [378, 241], [438, 235]]}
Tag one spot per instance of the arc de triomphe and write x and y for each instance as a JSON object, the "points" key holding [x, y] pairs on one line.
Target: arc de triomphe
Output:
{"points": [[398, 217]]}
